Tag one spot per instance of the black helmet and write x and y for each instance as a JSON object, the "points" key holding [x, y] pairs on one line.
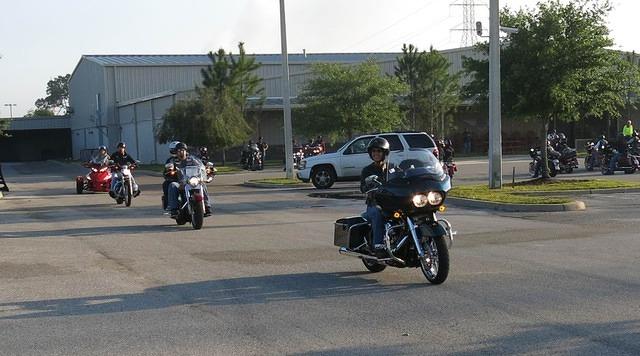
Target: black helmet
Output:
{"points": [[562, 137], [181, 146], [122, 144], [378, 142], [204, 150]]}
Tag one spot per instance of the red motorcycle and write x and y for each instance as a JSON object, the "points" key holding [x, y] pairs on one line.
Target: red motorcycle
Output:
{"points": [[97, 180]]}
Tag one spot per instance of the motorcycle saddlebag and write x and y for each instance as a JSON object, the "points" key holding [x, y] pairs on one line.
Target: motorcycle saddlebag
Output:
{"points": [[350, 232]]}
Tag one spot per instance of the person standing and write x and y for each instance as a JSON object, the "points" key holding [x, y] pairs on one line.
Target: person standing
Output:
{"points": [[263, 147], [627, 130], [466, 140], [3, 183]]}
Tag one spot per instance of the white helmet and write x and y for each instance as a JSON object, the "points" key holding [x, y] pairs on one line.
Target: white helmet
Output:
{"points": [[172, 147]]}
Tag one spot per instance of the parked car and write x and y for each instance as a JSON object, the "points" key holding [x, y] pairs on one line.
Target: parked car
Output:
{"points": [[347, 163]]}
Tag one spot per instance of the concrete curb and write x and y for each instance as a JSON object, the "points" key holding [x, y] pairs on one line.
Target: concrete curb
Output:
{"points": [[507, 207], [1, 195], [476, 204]]}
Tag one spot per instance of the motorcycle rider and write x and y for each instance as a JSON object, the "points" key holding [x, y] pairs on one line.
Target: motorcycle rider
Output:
{"points": [[551, 154], [182, 160], [101, 158], [378, 150], [621, 147], [168, 178], [121, 158], [204, 154]]}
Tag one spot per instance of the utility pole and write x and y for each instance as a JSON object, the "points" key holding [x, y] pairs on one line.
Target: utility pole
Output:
{"points": [[11, 109], [495, 120], [286, 103]]}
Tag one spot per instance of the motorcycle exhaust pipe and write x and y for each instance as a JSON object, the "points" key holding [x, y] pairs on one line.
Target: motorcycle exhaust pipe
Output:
{"points": [[347, 252]]}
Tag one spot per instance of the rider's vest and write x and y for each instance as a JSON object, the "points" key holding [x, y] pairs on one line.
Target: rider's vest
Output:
{"points": [[627, 130]]}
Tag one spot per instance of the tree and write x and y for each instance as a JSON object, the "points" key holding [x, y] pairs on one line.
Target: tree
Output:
{"points": [[557, 66], [216, 116], [40, 112], [433, 91], [57, 98], [341, 101]]}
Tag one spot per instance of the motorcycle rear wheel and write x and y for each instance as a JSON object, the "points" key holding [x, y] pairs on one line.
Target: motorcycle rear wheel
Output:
{"points": [[373, 266], [437, 270]]}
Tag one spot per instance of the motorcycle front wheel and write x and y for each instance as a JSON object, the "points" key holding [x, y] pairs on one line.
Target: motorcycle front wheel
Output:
{"points": [[79, 186], [587, 164], [127, 194], [198, 215], [435, 264]]}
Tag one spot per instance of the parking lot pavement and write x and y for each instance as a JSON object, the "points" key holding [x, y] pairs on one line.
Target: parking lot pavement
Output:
{"points": [[81, 275]]}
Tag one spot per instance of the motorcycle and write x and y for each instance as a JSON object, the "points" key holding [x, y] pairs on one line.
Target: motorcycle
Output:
{"points": [[124, 188], [552, 162], [568, 159], [192, 187], [628, 163], [414, 236], [311, 150], [254, 158], [97, 180], [594, 157]]}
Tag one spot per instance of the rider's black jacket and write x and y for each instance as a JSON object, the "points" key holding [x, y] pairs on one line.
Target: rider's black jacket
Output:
{"points": [[178, 163], [372, 169], [122, 160]]}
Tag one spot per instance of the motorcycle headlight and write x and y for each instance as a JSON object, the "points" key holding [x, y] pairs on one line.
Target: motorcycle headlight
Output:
{"points": [[302, 165], [420, 200], [194, 181], [435, 198], [94, 170]]}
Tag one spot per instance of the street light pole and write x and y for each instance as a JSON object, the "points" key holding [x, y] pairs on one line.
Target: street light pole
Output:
{"points": [[495, 120], [286, 103], [11, 109]]}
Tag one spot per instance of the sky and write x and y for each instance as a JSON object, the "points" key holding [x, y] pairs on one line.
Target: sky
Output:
{"points": [[42, 39]]}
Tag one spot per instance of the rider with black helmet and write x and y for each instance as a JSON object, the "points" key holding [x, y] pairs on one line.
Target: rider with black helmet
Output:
{"points": [[102, 157], [371, 176], [168, 178], [121, 158]]}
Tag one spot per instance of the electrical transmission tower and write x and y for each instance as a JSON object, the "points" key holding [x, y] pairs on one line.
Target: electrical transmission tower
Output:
{"points": [[468, 29]]}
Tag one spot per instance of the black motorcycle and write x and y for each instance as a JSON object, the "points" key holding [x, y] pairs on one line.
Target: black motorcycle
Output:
{"points": [[568, 159], [414, 236], [628, 163], [552, 162], [594, 155]]}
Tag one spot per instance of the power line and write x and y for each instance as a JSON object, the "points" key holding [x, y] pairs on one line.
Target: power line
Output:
{"points": [[410, 35], [415, 12]]}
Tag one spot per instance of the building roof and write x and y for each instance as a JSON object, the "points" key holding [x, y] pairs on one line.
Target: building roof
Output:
{"points": [[202, 59], [39, 123]]}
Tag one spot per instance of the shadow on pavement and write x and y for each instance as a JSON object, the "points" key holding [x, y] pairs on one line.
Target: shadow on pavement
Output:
{"points": [[234, 291]]}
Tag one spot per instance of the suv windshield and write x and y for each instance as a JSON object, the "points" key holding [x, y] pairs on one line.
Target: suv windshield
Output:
{"points": [[419, 140]]}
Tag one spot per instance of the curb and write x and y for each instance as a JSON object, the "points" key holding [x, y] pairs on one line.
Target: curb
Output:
{"points": [[507, 207], [478, 204], [1, 195], [274, 186]]}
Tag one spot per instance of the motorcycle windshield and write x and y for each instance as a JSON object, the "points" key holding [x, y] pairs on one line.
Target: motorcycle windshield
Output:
{"points": [[426, 167], [192, 171]]}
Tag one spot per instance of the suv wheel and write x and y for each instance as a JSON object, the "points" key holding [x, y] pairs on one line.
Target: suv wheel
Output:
{"points": [[323, 177]]}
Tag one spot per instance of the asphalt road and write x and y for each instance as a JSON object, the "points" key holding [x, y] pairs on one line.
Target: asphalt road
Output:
{"points": [[82, 275]]}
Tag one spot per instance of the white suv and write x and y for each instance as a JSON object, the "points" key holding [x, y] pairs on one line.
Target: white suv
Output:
{"points": [[347, 163]]}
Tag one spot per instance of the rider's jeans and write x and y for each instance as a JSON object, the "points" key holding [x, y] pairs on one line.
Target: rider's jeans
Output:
{"points": [[614, 160], [374, 215], [115, 179], [174, 193]]}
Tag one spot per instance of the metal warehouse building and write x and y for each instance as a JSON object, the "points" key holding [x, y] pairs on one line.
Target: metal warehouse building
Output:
{"points": [[123, 97]]}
